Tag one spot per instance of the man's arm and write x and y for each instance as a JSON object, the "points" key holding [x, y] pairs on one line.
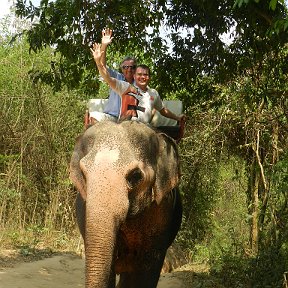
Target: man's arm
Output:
{"points": [[169, 114], [123, 86], [98, 55]]}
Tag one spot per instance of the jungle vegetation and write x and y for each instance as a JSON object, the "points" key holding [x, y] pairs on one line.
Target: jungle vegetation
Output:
{"points": [[226, 60]]}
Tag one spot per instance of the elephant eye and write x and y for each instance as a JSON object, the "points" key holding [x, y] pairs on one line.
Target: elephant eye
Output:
{"points": [[134, 177]]}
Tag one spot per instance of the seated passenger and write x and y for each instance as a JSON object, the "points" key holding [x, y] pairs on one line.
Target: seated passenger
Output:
{"points": [[146, 98], [128, 66]]}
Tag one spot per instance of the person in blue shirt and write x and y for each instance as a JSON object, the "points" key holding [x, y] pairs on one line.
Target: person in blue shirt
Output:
{"points": [[147, 98], [128, 66]]}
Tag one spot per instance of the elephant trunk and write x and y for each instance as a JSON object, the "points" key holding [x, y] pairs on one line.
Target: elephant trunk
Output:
{"points": [[106, 209], [99, 246]]}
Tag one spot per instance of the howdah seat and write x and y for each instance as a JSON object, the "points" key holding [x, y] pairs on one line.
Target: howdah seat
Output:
{"points": [[172, 128]]}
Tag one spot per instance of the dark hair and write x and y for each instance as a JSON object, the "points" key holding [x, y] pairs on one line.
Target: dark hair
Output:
{"points": [[143, 66]]}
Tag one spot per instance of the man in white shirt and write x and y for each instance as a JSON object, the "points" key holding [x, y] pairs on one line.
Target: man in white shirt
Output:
{"points": [[147, 98]]}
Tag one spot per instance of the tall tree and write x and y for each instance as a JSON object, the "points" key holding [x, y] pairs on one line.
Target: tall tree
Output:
{"points": [[71, 27], [195, 29]]}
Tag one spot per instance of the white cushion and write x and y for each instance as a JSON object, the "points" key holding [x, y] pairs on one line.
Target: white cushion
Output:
{"points": [[173, 105], [97, 105]]}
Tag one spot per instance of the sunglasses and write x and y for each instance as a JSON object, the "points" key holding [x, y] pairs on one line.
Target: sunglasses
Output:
{"points": [[125, 67]]}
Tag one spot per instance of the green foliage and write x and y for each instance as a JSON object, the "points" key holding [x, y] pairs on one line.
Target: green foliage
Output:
{"points": [[233, 270], [199, 180], [275, 231], [235, 144], [229, 229], [272, 4], [268, 268], [38, 130], [202, 51], [72, 26], [227, 248]]}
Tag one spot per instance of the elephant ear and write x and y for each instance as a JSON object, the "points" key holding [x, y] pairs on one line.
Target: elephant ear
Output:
{"points": [[82, 146], [167, 169]]}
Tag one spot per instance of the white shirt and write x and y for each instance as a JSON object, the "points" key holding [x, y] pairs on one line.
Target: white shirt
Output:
{"points": [[149, 99]]}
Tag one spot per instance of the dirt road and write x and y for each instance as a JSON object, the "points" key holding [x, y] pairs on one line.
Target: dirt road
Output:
{"points": [[60, 271]]}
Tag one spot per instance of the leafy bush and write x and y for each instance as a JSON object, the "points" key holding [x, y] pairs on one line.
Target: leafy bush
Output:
{"points": [[268, 268]]}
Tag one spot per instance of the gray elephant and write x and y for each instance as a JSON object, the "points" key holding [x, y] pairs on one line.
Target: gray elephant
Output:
{"points": [[128, 207]]}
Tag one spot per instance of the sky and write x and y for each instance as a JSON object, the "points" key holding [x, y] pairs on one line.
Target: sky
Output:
{"points": [[6, 4]]}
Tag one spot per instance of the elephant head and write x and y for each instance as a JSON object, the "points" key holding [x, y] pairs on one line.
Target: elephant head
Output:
{"points": [[125, 174]]}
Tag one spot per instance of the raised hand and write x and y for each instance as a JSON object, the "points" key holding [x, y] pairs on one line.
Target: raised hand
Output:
{"points": [[106, 36], [96, 52]]}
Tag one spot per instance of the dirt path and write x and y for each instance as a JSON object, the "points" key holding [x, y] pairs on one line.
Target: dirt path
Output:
{"points": [[55, 272], [67, 270], [59, 271]]}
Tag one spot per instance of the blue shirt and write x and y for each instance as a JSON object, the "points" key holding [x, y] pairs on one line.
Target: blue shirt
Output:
{"points": [[113, 104]]}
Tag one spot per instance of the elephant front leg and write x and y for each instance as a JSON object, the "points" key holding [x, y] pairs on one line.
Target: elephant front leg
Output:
{"points": [[145, 279], [145, 273]]}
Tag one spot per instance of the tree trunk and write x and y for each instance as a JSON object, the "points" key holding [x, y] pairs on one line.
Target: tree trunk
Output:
{"points": [[253, 205], [255, 215]]}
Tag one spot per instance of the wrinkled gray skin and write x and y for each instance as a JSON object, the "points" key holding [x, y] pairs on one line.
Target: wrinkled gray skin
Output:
{"points": [[128, 206]]}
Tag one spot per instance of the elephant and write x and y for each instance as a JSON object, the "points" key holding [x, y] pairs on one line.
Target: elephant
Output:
{"points": [[128, 206]]}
